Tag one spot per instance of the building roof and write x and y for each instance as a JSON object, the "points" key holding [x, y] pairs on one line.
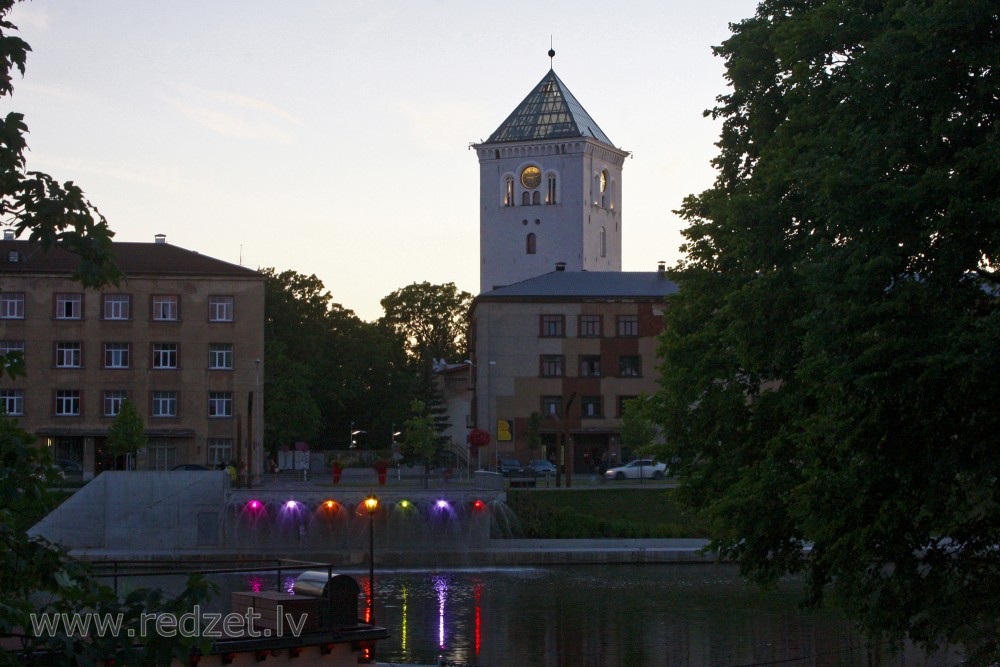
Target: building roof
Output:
{"points": [[548, 112], [586, 285], [133, 259]]}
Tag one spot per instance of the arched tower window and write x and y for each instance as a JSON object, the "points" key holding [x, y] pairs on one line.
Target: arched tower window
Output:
{"points": [[604, 242], [536, 197], [529, 244], [525, 198], [604, 183], [550, 189], [508, 198], [613, 189]]}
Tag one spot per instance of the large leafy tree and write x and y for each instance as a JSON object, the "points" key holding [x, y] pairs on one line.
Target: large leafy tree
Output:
{"points": [[432, 319], [127, 433], [36, 576], [830, 364]]}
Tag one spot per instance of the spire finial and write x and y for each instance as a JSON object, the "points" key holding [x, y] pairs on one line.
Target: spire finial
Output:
{"points": [[552, 52]]}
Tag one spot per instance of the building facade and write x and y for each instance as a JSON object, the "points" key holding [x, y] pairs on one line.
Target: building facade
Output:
{"points": [[573, 347], [182, 337]]}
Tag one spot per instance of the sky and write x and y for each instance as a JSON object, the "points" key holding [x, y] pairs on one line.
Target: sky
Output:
{"points": [[331, 137]]}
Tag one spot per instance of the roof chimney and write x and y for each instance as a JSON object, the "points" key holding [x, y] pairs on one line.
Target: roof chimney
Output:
{"points": [[160, 238], [661, 267], [560, 266], [8, 235]]}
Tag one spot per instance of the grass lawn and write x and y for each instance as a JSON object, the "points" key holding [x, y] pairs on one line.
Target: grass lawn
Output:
{"points": [[601, 513]]}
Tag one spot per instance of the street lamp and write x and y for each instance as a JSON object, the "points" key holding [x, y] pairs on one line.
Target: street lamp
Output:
{"points": [[395, 453], [354, 432], [258, 421], [490, 426], [371, 504]]}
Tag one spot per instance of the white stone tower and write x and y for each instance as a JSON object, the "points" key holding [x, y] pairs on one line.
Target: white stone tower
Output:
{"points": [[550, 184]]}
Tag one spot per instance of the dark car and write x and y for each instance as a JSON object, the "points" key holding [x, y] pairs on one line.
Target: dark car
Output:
{"points": [[510, 467], [542, 467], [69, 467], [190, 466]]}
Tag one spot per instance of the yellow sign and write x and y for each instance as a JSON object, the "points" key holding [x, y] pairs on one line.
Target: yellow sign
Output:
{"points": [[505, 429]]}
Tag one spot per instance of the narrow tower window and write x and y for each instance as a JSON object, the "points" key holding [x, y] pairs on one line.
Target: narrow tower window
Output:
{"points": [[550, 190], [536, 197], [604, 243], [508, 199], [529, 244], [604, 189]]}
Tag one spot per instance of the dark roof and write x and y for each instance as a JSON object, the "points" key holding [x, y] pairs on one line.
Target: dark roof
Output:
{"points": [[586, 284], [134, 259], [548, 112]]}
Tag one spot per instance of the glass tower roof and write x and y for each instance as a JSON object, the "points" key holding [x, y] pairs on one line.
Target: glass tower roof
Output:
{"points": [[548, 112]]}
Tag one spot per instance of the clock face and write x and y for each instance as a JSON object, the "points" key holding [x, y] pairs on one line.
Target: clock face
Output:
{"points": [[604, 181], [531, 177]]}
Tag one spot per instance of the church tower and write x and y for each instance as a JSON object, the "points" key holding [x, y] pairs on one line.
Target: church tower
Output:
{"points": [[549, 191]]}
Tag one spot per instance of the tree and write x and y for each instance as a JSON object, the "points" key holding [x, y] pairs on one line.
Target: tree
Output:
{"points": [[828, 371], [36, 576], [638, 431], [533, 432], [127, 433], [420, 443], [431, 319]]}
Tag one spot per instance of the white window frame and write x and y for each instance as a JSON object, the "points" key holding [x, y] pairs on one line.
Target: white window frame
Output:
{"points": [[12, 306], [220, 450], [69, 306], [117, 355], [165, 356], [69, 354], [220, 404], [163, 404], [112, 402], [160, 456], [221, 308], [12, 402], [67, 403], [166, 307], [117, 307], [220, 356]]}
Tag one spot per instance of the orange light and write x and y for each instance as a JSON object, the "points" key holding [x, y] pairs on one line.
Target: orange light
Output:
{"points": [[329, 504], [371, 504]]}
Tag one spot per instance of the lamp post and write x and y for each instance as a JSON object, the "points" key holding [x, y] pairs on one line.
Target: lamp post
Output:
{"points": [[371, 504], [258, 450], [395, 453], [351, 441]]}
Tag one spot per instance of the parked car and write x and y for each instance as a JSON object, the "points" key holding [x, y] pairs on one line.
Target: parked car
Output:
{"points": [[190, 466], [638, 469], [541, 467], [510, 467]]}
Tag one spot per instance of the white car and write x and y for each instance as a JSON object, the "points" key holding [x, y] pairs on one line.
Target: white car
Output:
{"points": [[638, 469]]}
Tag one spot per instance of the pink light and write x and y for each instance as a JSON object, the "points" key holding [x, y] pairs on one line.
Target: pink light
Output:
{"points": [[254, 505]]}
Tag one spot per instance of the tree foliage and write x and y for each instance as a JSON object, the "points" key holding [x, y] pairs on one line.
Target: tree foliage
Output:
{"points": [[127, 433], [431, 319], [638, 431], [419, 443], [829, 372]]}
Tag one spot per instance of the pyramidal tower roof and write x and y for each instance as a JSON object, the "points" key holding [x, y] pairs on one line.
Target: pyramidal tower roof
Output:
{"points": [[548, 112]]}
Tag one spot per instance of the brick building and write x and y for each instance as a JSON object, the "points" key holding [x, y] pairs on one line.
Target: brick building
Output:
{"points": [[182, 337]]}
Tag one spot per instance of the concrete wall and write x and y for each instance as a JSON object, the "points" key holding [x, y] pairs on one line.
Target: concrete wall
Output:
{"points": [[140, 512]]}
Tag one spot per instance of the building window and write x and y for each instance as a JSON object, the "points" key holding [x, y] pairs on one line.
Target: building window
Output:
{"points": [[69, 355], [165, 307], [160, 456], [590, 406], [553, 326], [117, 355], [589, 326], [164, 355], [220, 451], [604, 242], [529, 244], [69, 306], [628, 326], [220, 309], [525, 199], [220, 356], [536, 198], [220, 404], [623, 403], [12, 305], [590, 366], [508, 198], [67, 403], [12, 402], [117, 306], [164, 404], [552, 365], [551, 407], [629, 366], [113, 399], [550, 189], [603, 181]]}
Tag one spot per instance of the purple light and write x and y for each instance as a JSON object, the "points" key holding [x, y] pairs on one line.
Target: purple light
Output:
{"points": [[442, 504], [291, 504]]}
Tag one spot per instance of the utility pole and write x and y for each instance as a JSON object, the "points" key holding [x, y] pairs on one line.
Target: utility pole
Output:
{"points": [[562, 447]]}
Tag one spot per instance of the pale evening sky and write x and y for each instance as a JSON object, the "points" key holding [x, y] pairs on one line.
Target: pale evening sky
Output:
{"points": [[331, 137]]}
